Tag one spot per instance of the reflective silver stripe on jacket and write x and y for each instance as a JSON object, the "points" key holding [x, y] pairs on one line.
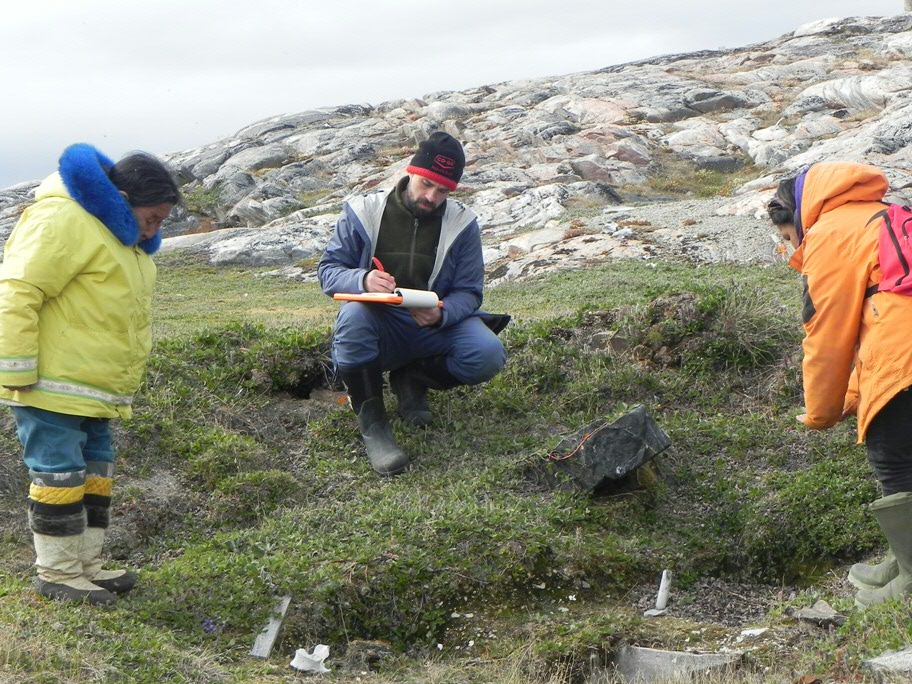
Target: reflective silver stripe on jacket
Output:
{"points": [[14, 365], [58, 387]]}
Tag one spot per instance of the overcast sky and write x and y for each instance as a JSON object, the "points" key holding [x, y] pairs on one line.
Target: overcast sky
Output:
{"points": [[169, 75]]}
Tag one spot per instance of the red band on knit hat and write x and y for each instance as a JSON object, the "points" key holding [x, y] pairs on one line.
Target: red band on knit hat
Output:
{"points": [[448, 183]]}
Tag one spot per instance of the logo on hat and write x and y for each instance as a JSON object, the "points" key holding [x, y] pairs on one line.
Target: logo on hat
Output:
{"points": [[445, 162]]}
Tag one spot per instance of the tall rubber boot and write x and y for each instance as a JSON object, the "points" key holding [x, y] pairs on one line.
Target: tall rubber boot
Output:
{"points": [[115, 581], [894, 514], [385, 456], [60, 571], [411, 383], [365, 389], [867, 576]]}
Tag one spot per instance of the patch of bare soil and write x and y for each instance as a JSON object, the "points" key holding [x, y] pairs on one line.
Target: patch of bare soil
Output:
{"points": [[715, 601], [742, 608]]}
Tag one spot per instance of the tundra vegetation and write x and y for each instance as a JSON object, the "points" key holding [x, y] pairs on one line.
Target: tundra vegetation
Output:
{"points": [[242, 479]]}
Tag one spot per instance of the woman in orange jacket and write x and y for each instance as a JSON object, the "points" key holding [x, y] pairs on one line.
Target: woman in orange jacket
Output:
{"points": [[857, 345]]}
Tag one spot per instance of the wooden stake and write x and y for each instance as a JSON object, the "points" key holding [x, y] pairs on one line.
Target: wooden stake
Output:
{"points": [[266, 639]]}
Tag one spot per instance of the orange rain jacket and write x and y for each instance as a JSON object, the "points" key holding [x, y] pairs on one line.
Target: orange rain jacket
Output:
{"points": [[838, 259]]}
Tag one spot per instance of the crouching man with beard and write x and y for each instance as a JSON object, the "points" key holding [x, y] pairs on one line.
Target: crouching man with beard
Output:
{"points": [[410, 236]]}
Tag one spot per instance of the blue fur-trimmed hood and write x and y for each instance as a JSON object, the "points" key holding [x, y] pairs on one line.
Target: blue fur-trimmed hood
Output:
{"points": [[83, 170]]}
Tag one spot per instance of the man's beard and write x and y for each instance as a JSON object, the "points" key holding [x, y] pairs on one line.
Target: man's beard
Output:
{"points": [[419, 209]]}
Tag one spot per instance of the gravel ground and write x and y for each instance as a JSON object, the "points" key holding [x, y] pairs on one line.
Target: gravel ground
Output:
{"points": [[715, 601], [693, 231]]}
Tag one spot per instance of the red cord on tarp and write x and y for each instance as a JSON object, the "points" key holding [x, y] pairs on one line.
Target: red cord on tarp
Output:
{"points": [[554, 456]]}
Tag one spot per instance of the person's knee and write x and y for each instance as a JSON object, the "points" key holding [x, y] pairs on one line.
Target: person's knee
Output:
{"points": [[354, 318], [485, 362], [355, 335]]}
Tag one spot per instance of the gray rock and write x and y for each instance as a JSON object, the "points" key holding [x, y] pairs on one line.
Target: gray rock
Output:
{"points": [[718, 162], [350, 110], [270, 156], [205, 164], [820, 614], [706, 101], [277, 127], [180, 222], [590, 169], [255, 213], [892, 135], [232, 190], [274, 249], [646, 665], [892, 666], [445, 111]]}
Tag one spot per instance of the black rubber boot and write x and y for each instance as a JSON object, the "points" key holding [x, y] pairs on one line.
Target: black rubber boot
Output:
{"points": [[411, 397], [411, 383], [365, 389], [385, 456]]}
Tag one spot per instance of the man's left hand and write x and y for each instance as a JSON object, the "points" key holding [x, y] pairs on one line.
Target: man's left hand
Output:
{"points": [[425, 317]]}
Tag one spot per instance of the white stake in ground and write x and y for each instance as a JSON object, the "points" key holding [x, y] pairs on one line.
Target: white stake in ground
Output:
{"points": [[662, 598]]}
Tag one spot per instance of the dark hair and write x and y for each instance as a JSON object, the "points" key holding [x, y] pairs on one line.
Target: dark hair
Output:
{"points": [[781, 208], [145, 179]]}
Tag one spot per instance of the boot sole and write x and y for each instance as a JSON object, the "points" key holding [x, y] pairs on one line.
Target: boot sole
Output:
{"points": [[116, 585], [392, 473], [62, 592]]}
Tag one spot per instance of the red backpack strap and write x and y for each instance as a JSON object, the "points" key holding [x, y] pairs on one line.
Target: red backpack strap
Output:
{"points": [[881, 214]]}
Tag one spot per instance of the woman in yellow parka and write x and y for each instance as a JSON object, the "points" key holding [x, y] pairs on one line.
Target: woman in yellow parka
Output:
{"points": [[75, 293], [857, 345]]}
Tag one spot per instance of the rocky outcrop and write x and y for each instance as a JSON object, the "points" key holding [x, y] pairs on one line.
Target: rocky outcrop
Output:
{"points": [[550, 160]]}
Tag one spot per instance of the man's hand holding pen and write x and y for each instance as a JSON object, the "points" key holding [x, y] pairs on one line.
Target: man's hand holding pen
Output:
{"points": [[378, 280]]}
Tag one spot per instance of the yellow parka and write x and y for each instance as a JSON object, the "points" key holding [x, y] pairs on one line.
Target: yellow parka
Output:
{"points": [[75, 300], [838, 258]]}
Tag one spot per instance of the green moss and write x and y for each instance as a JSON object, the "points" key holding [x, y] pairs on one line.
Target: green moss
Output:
{"points": [[199, 200], [682, 179]]}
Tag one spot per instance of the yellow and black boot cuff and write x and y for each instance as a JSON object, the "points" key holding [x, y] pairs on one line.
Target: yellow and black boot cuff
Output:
{"points": [[99, 483], [56, 503]]}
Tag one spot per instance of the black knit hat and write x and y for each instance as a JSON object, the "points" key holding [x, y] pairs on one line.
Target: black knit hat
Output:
{"points": [[439, 158]]}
